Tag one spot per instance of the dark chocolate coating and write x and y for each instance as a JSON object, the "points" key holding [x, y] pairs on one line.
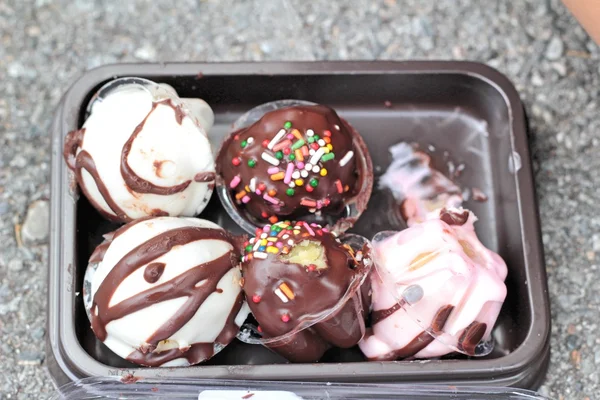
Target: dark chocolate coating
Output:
{"points": [[317, 118], [315, 291]]}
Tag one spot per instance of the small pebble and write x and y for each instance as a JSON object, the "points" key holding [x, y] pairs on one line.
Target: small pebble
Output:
{"points": [[37, 222]]}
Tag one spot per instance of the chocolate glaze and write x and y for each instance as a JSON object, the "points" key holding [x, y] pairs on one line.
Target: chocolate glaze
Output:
{"points": [[181, 286], [154, 271], [454, 218], [314, 291], [133, 180], [421, 341], [303, 118]]}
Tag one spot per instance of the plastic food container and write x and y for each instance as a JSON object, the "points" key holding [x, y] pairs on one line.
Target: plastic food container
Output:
{"points": [[94, 388], [466, 109]]}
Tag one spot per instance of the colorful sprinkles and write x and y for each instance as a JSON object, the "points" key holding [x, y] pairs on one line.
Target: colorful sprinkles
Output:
{"points": [[280, 238], [298, 159]]}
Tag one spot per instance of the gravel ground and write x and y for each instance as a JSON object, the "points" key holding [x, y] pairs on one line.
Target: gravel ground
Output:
{"points": [[45, 44]]}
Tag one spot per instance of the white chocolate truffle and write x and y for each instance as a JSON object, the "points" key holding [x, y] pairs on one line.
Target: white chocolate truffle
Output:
{"points": [[166, 291], [144, 153]]}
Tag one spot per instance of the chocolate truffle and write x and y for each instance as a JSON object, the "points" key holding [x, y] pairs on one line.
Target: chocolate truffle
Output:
{"points": [[142, 152], [300, 279], [438, 290], [166, 291], [298, 162]]}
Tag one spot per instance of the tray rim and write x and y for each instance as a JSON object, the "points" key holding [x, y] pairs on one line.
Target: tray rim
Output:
{"points": [[499, 370]]}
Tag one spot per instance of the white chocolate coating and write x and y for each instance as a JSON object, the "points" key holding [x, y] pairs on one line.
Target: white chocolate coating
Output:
{"points": [[165, 152], [131, 332]]}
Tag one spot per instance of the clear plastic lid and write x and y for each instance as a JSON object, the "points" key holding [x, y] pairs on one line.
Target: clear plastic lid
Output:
{"points": [[109, 388]]}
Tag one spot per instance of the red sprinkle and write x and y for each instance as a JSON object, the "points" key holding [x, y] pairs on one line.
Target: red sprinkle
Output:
{"points": [[309, 188], [287, 151], [315, 146], [320, 232], [312, 267], [256, 298], [262, 187], [236, 137], [258, 328], [265, 143], [264, 214], [327, 133], [285, 318], [236, 161]]}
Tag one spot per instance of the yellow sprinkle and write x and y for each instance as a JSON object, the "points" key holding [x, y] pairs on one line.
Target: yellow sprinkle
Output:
{"points": [[247, 188], [272, 249], [296, 232], [323, 172], [330, 147], [326, 150], [263, 242], [298, 182], [272, 238], [299, 155]]}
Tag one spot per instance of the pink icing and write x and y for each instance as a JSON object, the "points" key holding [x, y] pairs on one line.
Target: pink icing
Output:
{"points": [[453, 268], [420, 189]]}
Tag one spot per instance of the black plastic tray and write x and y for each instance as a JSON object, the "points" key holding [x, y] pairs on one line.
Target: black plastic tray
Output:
{"points": [[467, 109]]}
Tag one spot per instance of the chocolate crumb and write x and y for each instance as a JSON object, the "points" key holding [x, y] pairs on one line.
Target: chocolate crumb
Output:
{"points": [[129, 378], [478, 195], [247, 396]]}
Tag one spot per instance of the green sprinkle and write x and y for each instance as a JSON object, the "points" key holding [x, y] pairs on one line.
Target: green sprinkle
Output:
{"points": [[314, 182], [287, 125], [311, 139], [252, 163], [290, 192], [248, 248], [298, 144], [244, 144], [316, 137], [327, 157], [292, 157], [279, 155]]}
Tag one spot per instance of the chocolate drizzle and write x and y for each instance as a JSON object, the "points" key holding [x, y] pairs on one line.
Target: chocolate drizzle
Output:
{"points": [[380, 315], [205, 176], [134, 181], [85, 161], [422, 340], [197, 352], [471, 337], [154, 271], [184, 285]]}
